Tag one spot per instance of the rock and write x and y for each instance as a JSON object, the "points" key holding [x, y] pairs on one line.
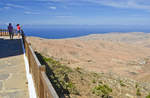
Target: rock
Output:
{"points": [[142, 62], [129, 96], [4, 76], [1, 85]]}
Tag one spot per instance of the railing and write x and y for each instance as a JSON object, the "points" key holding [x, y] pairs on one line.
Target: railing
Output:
{"points": [[4, 32], [43, 86]]}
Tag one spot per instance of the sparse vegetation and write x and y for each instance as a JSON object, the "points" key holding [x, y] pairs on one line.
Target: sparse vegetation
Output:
{"points": [[78, 69], [61, 72], [102, 90], [121, 83], [138, 93], [148, 96], [93, 81], [100, 82], [136, 86], [76, 82], [95, 74]]}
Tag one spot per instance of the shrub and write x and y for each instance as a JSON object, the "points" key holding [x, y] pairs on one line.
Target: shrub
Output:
{"points": [[101, 82], [62, 74], [102, 90], [148, 96], [93, 81], [95, 74], [138, 93], [78, 69], [136, 86], [121, 83], [71, 87]]}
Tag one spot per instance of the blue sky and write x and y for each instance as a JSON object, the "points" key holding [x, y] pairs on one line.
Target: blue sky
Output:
{"points": [[76, 12]]}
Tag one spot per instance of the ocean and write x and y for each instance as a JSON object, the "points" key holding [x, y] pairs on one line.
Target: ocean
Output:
{"points": [[70, 31], [61, 33]]}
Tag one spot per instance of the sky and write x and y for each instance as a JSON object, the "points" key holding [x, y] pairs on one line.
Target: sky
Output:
{"points": [[75, 12]]}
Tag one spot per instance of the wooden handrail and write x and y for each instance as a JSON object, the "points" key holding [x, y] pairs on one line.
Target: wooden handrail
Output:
{"points": [[49, 90], [43, 86]]}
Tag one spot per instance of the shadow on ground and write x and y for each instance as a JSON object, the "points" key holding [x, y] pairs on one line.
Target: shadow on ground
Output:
{"points": [[62, 92], [10, 47]]}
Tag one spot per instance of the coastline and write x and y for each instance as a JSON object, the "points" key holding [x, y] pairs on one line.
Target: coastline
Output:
{"points": [[66, 34]]}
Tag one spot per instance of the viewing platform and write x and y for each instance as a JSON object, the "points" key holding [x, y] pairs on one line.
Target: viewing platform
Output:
{"points": [[21, 73], [13, 81]]}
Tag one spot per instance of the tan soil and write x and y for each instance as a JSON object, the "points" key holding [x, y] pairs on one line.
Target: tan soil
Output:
{"points": [[123, 54]]}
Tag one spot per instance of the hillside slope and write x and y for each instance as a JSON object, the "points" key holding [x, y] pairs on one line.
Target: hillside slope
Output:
{"points": [[108, 53]]}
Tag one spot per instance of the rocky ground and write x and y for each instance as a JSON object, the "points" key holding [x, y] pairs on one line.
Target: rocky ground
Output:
{"points": [[79, 83], [123, 55]]}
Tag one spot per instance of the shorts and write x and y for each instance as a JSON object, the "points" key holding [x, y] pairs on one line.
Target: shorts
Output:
{"points": [[18, 31], [10, 32]]}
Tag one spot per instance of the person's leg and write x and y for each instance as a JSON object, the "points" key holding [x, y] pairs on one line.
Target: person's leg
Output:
{"points": [[18, 34], [10, 35]]}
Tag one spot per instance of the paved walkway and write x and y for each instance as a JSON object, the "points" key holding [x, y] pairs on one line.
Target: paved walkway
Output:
{"points": [[13, 82]]}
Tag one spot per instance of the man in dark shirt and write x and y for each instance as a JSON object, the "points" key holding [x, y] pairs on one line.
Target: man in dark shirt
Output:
{"points": [[10, 30]]}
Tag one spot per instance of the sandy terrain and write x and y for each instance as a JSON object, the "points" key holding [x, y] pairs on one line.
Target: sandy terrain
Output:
{"points": [[123, 54]]}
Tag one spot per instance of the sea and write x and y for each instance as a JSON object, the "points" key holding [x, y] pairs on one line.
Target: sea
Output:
{"points": [[62, 32]]}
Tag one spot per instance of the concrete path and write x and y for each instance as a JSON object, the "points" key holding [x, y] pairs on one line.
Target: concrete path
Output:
{"points": [[13, 82]]}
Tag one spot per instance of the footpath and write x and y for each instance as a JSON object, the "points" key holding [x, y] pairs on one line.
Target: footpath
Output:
{"points": [[13, 82]]}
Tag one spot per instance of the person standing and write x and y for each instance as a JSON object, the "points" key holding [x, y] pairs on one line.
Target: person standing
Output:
{"points": [[10, 30], [18, 30]]}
